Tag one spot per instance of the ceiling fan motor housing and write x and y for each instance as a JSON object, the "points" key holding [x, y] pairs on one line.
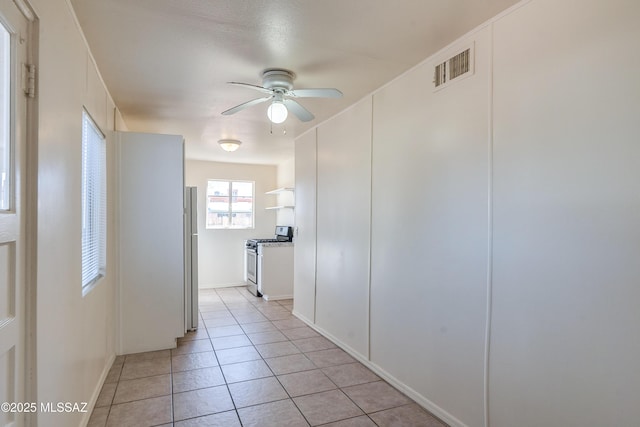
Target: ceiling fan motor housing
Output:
{"points": [[276, 78]]}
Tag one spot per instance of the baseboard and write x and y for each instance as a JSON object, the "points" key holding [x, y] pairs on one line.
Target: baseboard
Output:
{"points": [[408, 391], [277, 297], [202, 286], [96, 392]]}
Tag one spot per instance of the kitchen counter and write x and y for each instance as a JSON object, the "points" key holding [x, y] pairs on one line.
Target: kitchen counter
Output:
{"points": [[277, 244]]}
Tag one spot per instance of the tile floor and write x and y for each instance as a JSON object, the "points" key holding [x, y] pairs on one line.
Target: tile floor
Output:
{"points": [[251, 363]]}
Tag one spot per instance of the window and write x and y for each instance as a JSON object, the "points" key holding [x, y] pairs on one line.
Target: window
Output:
{"points": [[229, 204], [94, 201], [5, 119]]}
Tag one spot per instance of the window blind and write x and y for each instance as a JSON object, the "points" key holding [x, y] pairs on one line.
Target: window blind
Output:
{"points": [[94, 218]]}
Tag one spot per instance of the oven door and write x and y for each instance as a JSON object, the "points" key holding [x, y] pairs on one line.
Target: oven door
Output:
{"points": [[252, 270]]}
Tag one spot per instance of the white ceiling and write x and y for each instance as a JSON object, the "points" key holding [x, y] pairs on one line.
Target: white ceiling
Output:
{"points": [[166, 62]]}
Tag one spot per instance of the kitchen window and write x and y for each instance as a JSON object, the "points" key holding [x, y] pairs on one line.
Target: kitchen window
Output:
{"points": [[229, 204], [94, 203]]}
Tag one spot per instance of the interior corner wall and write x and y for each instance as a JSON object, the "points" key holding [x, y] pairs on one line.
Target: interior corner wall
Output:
{"points": [[75, 334], [221, 252]]}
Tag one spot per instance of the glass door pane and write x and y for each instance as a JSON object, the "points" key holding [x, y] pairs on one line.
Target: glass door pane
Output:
{"points": [[5, 128]]}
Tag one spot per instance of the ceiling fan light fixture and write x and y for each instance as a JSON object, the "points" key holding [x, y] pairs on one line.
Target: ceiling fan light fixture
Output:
{"points": [[277, 112], [229, 144]]}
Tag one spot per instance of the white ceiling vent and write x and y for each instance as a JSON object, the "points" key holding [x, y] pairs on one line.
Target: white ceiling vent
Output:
{"points": [[453, 68]]}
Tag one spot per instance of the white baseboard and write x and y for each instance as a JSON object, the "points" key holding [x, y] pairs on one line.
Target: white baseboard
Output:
{"points": [[277, 297], [411, 393], [202, 286], [96, 392]]}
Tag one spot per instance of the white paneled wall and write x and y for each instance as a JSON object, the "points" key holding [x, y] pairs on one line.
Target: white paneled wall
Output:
{"points": [[504, 224], [304, 271], [343, 221], [429, 234], [566, 322]]}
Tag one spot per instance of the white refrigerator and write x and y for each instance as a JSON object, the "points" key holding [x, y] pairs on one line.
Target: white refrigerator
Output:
{"points": [[191, 258]]}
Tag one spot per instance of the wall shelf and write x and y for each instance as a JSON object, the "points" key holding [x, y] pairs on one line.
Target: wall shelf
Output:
{"points": [[279, 207], [280, 191]]}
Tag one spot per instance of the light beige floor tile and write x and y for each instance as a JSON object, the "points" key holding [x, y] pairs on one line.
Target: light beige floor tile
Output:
{"points": [[187, 362], [201, 402], [362, 421], [289, 364], [326, 407], [237, 355], [350, 374], [250, 318], [246, 371], [299, 333], [289, 323], [225, 331], [105, 398], [282, 413], [147, 355], [193, 346], [267, 337], [377, 396], [330, 357], [219, 314], [306, 382], [143, 388], [258, 391], [145, 368], [114, 374], [98, 417], [148, 412], [277, 349], [251, 328], [198, 334], [313, 344], [278, 315], [222, 321], [406, 416], [119, 360], [222, 419], [230, 342], [197, 378]]}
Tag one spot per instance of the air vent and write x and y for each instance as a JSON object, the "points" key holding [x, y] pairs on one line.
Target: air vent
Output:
{"points": [[454, 67]]}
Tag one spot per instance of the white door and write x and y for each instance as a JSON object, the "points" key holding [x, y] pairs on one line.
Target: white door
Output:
{"points": [[13, 119]]}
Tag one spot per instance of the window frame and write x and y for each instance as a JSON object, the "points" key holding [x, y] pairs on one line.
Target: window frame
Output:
{"points": [[229, 203], [93, 203]]}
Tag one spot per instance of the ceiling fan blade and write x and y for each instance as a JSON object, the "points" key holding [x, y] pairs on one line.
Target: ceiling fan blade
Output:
{"points": [[298, 110], [315, 93], [245, 105], [255, 87]]}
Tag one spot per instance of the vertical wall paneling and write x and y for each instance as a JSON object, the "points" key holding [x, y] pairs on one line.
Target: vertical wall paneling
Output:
{"points": [[429, 235], [565, 346], [304, 279], [343, 221]]}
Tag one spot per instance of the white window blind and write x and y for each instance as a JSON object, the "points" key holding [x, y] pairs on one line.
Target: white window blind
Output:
{"points": [[94, 201]]}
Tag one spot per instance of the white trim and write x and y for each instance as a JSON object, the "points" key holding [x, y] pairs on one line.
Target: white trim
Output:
{"points": [[434, 409], [96, 392]]}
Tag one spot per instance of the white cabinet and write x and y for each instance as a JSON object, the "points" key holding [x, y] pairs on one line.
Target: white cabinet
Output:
{"points": [[275, 267]]}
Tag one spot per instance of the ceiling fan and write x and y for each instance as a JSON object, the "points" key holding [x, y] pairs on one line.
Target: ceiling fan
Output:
{"points": [[277, 83]]}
